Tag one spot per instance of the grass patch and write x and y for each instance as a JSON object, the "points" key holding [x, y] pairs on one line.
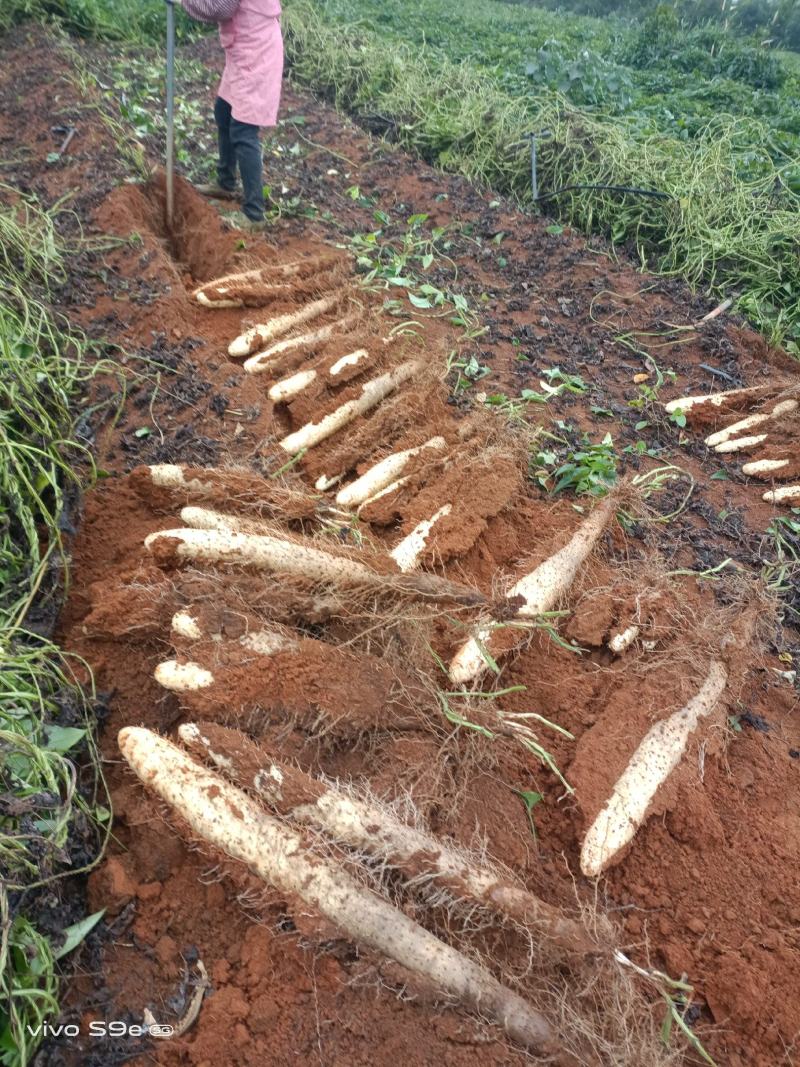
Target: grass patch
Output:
{"points": [[54, 816], [728, 229]]}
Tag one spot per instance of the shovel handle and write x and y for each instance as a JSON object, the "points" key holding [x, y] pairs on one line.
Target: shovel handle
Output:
{"points": [[170, 161]]}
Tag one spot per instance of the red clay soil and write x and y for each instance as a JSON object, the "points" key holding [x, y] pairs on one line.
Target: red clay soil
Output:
{"points": [[710, 887]]}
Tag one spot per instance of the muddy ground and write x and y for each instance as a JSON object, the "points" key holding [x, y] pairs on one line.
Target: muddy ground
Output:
{"points": [[709, 890]]}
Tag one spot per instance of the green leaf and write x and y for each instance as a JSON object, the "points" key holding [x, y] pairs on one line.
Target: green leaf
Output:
{"points": [[419, 301], [530, 798], [555, 228], [77, 932], [720, 476], [62, 738], [143, 431]]}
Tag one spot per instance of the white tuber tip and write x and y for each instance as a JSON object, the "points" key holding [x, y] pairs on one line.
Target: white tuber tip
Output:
{"points": [[764, 466], [741, 444], [185, 625], [382, 474], [406, 554], [223, 302], [289, 387], [167, 476], [243, 344], [621, 642], [657, 756], [183, 677], [470, 661], [349, 360], [787, 494]]}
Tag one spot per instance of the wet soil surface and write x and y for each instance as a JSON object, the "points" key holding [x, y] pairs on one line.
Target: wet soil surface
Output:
{"points": [[708, 890]]}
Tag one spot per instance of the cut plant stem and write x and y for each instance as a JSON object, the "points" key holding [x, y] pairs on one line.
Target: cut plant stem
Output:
{"points": [[407, 553], [228, 819], [260, 335], [539, 591], [362, 825], [657, 756], [382, 474], [372, 393]]}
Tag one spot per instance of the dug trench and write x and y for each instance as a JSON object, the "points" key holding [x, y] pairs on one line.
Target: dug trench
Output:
{"points": [[340, 679]]}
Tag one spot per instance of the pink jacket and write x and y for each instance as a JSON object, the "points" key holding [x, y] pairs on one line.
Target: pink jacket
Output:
{"points": [[251, 82]]}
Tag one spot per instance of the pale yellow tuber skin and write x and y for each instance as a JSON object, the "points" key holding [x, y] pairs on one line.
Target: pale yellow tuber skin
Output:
{"points": [[372, 393], [623, 640], [269, 553], [787, 494], [762, 467], [228, 819], [540, 590], [407, 553], [260, 335], [741, 444], [382, 475], [736, 428], [361, 825], [657, 756], [262, 361], [715, 400], [183, 677]]}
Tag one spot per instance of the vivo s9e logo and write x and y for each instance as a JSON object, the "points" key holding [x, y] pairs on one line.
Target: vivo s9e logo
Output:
{"points": [[101, 1028]]}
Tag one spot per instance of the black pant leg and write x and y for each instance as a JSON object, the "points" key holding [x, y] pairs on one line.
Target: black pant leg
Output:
{"points": [[226, 168], [247, 148]]}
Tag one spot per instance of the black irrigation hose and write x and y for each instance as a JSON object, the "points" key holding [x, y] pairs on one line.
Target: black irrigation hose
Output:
{"points": [[610, 188]]}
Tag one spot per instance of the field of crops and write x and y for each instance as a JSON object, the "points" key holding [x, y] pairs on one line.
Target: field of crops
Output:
{"points": [[399, 607], [706, 121]]}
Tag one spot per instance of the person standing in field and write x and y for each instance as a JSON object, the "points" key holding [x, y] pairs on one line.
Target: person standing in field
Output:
{"points": [[248, 96]]}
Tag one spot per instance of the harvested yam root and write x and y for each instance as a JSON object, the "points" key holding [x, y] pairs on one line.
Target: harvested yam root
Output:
{"points": [[380, 477], [657, 756], [372, 393], [264, 361], [297, 383], [267, 553], [321, 686], [218, 540], [254, 339], [535, 593], [787, 494], [713, 404], [228, 819], [407, 553], [367, 826], [166, 482], [769, 436], [256, 288]]}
